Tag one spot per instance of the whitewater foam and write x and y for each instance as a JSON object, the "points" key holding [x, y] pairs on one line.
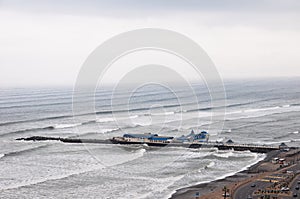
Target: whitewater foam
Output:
{"points": [[211, 164], [256, 158], [261, 109], [134, 116], [224, 155], [164, 113], [49, 178], [62, 126], [108, 130], [104, 120]]}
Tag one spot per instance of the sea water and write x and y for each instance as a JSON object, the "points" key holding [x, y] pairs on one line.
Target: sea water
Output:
{"points": [[257, 111]]}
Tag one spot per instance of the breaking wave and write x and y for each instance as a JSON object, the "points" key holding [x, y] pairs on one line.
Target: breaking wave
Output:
{"points": [[134, 116], [211, 164], [208, 108], [57, 126], [63, 126], [28, 130], [15, 153], [233, 154], [108, 130], [286, 135], [104, 120]]}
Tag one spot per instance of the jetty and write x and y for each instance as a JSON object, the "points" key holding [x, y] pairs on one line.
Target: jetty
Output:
{"points": [[67, 140], [239, 147], [219, 145]]}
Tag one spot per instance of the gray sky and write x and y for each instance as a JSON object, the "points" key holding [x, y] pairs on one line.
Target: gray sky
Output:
{"points": [[44, 43]]}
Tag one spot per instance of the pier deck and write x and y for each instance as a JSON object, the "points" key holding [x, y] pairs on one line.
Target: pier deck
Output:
{"points": [[219, 145]]}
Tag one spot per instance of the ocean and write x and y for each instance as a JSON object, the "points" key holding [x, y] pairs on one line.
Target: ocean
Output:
{"points": [[260, 111]]}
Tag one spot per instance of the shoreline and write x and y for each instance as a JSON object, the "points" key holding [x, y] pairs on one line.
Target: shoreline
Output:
{"points": [[213, 186]]}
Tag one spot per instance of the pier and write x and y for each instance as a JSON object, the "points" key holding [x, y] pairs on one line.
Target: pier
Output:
{"points": [[219, 145], [243, 147], [66, 140]]}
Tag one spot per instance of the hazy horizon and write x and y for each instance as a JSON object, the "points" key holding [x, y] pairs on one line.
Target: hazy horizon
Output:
{"points": [[45, 43], [110, 86]]}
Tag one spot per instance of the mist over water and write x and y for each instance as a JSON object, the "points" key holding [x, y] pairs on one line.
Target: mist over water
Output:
{"points": [[263, 111]]}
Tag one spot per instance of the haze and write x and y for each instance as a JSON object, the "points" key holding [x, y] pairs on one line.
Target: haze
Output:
{"points": [[44, 43]]}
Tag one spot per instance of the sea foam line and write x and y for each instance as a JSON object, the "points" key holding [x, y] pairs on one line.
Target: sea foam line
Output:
{"points": [[34, 182], [263, 156]]}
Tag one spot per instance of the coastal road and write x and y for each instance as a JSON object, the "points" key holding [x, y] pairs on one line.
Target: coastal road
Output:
{"points": [[245, 190], [294, 185]]}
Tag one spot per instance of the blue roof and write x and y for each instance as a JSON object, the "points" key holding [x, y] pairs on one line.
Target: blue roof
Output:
{"points": [[139, 135], [147, 136], [160, 138]]}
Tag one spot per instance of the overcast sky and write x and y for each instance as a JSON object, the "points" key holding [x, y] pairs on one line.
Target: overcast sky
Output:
{"points": [[44, 43]]}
